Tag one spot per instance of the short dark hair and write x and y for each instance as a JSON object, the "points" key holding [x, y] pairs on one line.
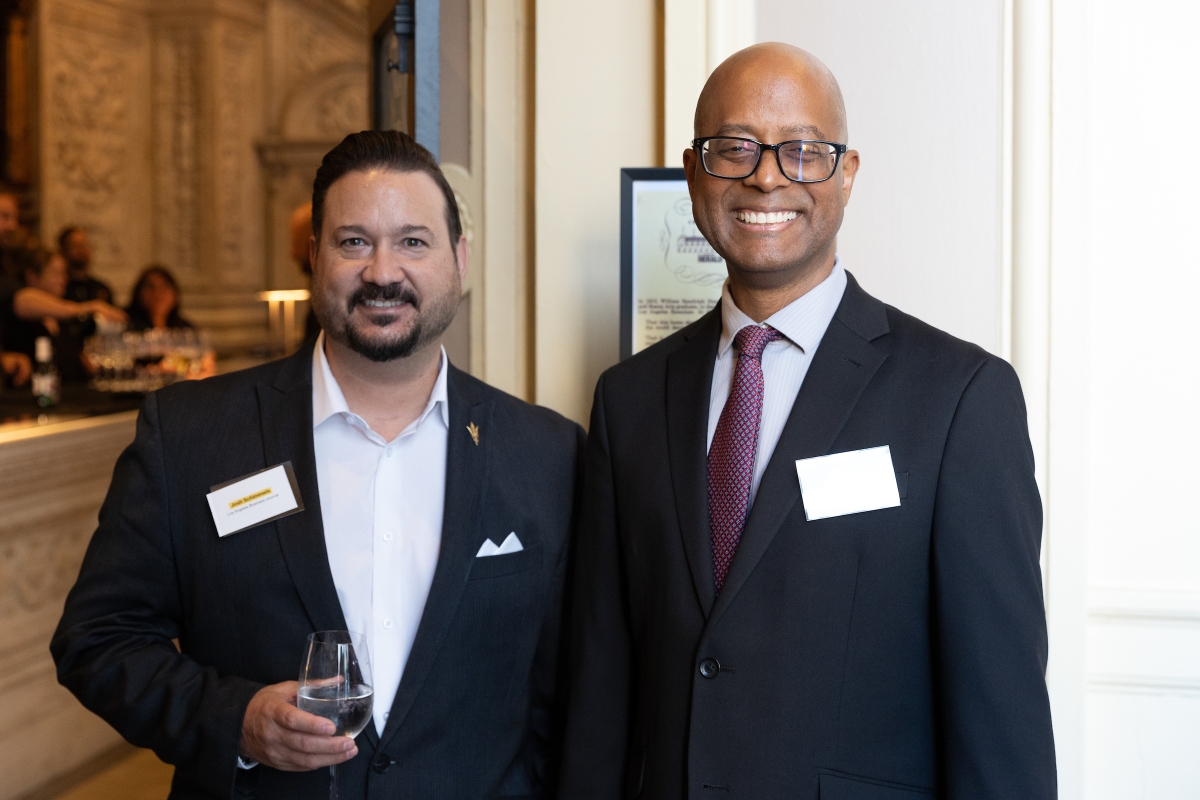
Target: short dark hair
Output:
{"points": [[390, 150], [63, 235]]}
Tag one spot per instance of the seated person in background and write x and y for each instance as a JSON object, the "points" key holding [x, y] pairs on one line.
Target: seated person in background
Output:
{"points": [[47, 273], [75, 247], [155, 303]]}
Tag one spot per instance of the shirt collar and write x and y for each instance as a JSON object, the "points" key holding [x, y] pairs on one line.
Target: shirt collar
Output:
{"points": [[328, 399], [803, 321]]}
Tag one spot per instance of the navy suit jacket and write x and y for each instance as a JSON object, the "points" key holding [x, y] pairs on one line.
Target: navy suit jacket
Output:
{"points": [[478, 711], [887, 655]]}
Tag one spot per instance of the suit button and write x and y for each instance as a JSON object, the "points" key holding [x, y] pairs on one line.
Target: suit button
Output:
{"points": [[709, 667], [382, 764]]}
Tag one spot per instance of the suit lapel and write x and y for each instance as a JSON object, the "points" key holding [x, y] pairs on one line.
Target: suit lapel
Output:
{"points": [[466, 478], [689, 382], [843, 365], [285, 407]]}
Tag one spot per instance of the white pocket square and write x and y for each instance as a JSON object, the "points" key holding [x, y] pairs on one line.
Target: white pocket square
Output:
{"points": [[511, 544]]}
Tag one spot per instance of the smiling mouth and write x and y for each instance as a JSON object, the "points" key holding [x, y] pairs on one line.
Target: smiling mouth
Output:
{"points": [[765, 217], [383, 303]]}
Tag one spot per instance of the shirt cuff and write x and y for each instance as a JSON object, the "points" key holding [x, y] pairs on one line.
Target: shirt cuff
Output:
{"points": [[246, 763]]}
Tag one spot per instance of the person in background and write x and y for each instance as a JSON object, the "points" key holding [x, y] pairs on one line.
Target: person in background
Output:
{"points": [[47, 272], [26, 303], [76, 248], [16, 366], [10, 218], [155, 302], [301, 230]]}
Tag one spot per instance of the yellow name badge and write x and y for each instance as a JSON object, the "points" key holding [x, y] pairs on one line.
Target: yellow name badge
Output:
{"points": [[256, 498]]}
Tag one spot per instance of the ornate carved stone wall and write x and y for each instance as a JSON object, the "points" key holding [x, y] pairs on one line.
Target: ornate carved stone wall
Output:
{"points": [[185, 132], [319, 54], [94, 132]]}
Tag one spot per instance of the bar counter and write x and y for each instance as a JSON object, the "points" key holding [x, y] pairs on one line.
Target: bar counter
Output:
{"points": [[55, 467]]}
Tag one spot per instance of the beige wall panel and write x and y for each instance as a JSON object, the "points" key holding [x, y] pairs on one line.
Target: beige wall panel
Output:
{"points": [[596, 111], [52, 482]]}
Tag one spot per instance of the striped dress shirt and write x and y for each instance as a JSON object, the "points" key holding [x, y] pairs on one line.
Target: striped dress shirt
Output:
{"points": [[785, 361]]}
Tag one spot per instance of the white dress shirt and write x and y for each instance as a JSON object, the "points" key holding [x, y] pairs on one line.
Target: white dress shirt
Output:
{"points": [[784, 362], [381, 506]]}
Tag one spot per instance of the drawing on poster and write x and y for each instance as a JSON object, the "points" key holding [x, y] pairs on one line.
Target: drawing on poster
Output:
{"points": [[677, 276]]}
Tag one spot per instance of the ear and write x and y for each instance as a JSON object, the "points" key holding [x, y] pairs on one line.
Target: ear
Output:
{"points": [[312, 250], [689, 166], [849, 171], [462, 253]]}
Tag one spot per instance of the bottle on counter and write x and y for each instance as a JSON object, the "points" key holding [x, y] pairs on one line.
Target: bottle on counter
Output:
{"points": [[45, 375]]}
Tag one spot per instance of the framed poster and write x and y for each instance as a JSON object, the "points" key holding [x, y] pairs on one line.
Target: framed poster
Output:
{"points": [[670, 275]]}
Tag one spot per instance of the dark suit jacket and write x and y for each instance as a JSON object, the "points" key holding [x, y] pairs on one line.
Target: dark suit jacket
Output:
{"points": [[887, 655], [477, 712]]}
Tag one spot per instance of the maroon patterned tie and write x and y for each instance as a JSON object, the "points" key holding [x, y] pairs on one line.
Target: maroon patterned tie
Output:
{"points": [[734, 447]]}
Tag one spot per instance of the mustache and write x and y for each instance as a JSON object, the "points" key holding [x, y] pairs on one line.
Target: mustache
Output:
{"points": [[392, 291]]}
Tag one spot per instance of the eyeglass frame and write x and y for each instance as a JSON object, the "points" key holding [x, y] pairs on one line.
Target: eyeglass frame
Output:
{"points": [[839, 148]]}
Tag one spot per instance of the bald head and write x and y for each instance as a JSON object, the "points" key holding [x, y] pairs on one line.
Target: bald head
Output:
{"points": [[777, 234], [774, 73]]}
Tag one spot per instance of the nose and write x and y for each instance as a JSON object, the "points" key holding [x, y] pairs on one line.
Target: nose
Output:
{"points": [[383, 267], [768, 175]]}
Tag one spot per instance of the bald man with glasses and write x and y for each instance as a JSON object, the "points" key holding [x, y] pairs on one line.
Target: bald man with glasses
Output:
{"points": [[808, 563]]}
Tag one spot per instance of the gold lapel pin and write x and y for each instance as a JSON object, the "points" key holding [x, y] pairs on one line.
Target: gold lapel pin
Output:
{"points": [[473, 429]]}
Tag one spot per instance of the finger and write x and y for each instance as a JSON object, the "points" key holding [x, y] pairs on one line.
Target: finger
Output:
{"points": [[294, 719], [318, 745]]}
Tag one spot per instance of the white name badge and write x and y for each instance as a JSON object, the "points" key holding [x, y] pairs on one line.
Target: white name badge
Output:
{"points": [[848, 483], [254, 499]]}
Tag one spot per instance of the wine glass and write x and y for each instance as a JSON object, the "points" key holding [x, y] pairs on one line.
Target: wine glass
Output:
{"points": [[335, 683]]}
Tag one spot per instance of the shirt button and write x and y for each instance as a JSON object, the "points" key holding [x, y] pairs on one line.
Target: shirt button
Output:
{"points": [[387, 623], [387, 537], [388, 452]]}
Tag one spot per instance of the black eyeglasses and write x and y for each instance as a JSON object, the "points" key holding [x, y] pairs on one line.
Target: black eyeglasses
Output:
{"points": [[801, 161]]}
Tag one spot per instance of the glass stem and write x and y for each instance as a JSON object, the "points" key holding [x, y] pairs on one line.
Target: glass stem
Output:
{"points": [[333, 787]]}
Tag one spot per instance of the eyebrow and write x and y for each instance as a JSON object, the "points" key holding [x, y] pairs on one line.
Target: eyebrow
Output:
{"points": [[734, 129], [404, 230]]}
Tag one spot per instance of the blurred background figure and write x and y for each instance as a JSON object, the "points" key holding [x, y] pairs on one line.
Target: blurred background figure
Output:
{"points": [[9, 218], [155, 301], [301, 231], [76, 248], [16, 368], [47, 273]]}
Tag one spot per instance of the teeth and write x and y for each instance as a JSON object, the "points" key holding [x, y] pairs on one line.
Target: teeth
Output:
{"points": [[765, 218], [383, 303]]}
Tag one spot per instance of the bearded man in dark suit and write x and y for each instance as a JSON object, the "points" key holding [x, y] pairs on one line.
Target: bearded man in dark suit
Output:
{"points": [[434, 516]]}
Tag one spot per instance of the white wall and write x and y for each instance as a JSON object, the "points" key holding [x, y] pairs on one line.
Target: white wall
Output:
{"points": [[1124, 298], [923, 83]]}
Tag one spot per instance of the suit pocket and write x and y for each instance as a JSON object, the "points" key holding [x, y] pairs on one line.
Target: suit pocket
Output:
{"points": [[844, 786], [507, 564]]}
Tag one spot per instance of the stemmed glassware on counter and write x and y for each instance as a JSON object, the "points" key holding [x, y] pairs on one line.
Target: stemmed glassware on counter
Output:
{"points": [[136, 361]]}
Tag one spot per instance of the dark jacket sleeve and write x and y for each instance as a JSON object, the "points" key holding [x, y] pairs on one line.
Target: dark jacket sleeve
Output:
{"points": [[989, 620], [113, 646], [601, 653]]}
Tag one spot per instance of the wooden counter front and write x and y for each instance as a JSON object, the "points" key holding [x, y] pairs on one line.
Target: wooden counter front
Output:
{"points": [[53, 479]]}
